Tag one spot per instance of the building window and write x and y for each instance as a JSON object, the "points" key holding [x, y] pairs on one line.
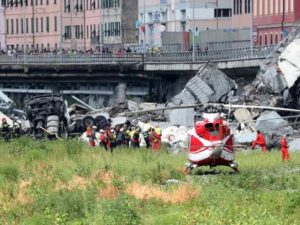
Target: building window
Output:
{"points": [[7, 26], [12, 26], [219, 13], [68, 32], [87, 31], [266, 39], [260, 40], [47, 24], [109, 3], [17, 26], [37, 25], [271, 39], [183, 27], [276, 38], [93, 4], [55, 23], [241, 6], [27, 26], [67, 6], [22, 26], [42, 24], [32, 25], [77, 31]]}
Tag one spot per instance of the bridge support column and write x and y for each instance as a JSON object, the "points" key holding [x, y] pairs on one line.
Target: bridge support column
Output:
{"points": [[121, 92]]}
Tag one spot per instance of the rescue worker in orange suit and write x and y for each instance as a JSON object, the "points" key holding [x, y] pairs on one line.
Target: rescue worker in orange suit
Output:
{"points": [[155, 140], [261, 141], [90, 136], [284, 148]]}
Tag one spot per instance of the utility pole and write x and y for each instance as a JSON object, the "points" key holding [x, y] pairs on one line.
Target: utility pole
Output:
{"points": [[193, 32], [251, 28], [84, 26], [217, 5], [144, 42], [61, 26]]}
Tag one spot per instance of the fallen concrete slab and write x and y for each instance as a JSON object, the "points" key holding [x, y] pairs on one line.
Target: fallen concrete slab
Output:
{"points": [[294, 146]]}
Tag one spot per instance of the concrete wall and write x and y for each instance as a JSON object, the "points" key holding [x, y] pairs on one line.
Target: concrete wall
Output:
{"points": [[222, 39], [129, 18]]}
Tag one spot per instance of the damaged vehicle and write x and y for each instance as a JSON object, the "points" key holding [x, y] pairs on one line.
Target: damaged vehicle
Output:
{"points": [[48, 116]]}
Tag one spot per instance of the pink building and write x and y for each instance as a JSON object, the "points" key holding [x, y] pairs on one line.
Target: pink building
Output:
{"points": [[272, 19], [52, 24], [2, 28]]}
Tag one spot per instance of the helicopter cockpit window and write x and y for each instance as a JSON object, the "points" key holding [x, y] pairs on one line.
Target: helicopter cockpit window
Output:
{"points": [[212, 130]]}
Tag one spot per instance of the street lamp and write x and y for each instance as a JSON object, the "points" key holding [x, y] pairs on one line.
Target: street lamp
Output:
{"points": [[193, 33]]}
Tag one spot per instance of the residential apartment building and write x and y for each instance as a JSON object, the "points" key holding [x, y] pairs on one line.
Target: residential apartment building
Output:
{"points": [[272, 19], [2, 26], [69, 24], [158, 16]]}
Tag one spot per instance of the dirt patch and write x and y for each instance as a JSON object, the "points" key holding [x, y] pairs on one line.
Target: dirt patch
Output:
{"points": [[76, 182], [105, 176], [109, 193], [23, 198], [181, 194]]}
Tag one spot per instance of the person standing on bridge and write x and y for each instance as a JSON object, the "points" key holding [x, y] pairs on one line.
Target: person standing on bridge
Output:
{"points": [[261, 141], [284, 148]]}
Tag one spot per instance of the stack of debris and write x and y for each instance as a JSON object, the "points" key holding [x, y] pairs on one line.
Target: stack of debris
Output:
{"points": [[208, 85]]}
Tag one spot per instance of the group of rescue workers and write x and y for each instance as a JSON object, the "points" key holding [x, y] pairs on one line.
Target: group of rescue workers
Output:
{"points": [[261, 141], [7, 132], [131, 136], [124, 136]]}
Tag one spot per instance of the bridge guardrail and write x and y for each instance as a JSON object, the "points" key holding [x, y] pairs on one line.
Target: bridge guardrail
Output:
{"points": [[159, 57]]}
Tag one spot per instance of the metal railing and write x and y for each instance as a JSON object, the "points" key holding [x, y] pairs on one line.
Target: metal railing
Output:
{"points": [[157, 57]]}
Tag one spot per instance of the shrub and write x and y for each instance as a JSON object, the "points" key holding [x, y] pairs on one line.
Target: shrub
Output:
{"points": [[9, 172], [120, 212]]}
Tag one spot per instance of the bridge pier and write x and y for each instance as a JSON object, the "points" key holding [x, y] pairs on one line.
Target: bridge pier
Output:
{"points": [[121, 92]]}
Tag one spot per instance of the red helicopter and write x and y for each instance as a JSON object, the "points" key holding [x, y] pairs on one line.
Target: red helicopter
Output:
{"points": [[211, 143]]}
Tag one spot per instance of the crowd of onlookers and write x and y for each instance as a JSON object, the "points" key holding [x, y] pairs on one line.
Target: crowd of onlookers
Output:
{"points": [[96, 51], [124, 136]]}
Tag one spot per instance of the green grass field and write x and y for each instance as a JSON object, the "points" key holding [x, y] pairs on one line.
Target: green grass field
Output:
{"points": [[44, 182]]}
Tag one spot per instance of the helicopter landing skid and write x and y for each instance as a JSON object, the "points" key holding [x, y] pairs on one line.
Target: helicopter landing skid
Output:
{"points": [[189, 168], [234, 166]]}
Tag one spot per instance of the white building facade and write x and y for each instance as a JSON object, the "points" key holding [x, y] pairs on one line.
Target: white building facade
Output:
{"points": [[158, 16]]}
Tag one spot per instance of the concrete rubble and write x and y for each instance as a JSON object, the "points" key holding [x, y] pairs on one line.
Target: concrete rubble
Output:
{"points": [[208, 85], [294, 145], [276, 84]]}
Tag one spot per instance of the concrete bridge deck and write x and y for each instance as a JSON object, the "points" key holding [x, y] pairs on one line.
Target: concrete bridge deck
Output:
{"points": [[133, 62]]}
